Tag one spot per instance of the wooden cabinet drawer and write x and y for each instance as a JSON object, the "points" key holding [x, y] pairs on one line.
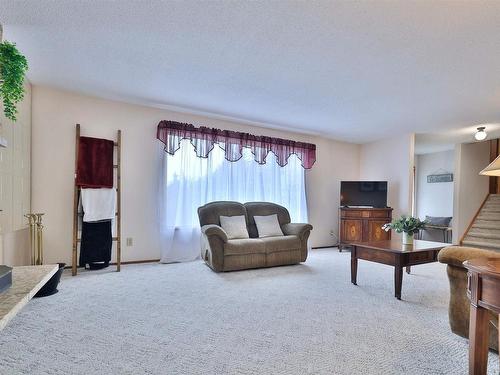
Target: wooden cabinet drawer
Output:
{"points": [[423, 257], [375, 231], [352, 230], [380, 213], [366, 213], [352, 213]]}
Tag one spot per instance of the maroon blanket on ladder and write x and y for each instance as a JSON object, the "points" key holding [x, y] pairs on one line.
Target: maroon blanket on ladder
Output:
{"points": [[95, 163]]}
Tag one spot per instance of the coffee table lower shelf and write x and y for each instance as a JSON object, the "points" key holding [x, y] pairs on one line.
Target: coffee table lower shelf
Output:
{"points": [[393, 253]]}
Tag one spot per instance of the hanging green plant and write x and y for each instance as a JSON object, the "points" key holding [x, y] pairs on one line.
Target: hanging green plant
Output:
{"points": [[13, 67]]}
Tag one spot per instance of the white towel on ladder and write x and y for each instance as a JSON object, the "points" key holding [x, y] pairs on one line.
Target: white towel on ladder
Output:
{"points": [[98, 204]]}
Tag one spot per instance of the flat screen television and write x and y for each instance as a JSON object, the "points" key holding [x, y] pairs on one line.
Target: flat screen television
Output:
{"points": [[363, 193]]}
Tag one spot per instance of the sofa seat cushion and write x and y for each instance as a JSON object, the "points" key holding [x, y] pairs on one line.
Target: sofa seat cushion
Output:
{"points": [[281, 243], [244, 246]]}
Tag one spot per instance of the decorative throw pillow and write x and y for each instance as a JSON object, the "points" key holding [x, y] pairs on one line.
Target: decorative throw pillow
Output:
{"points": [[234, 226], [268, 226], [438, 221]]}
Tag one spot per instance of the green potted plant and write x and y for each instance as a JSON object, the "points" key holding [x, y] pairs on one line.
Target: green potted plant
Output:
{"points": [[13, 67], [407, 225]]}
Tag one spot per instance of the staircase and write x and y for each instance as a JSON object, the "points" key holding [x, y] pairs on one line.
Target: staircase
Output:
{"points": [[485, 229]]}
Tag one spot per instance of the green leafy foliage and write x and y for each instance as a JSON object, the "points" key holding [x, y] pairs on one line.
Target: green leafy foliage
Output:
{"points": [[407, 224], [13, 67]]}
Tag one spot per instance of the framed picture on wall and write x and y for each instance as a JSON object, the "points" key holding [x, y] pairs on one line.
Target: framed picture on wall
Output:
{"points": [[443, 177]]}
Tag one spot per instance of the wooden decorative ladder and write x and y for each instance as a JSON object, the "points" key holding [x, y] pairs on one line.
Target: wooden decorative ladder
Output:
{"points": [[76, 196]]}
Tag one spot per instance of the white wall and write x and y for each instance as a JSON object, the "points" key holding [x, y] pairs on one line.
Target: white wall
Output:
{"points": [[434, 199], [54, 115], [336, 161], [15, 184], [391, 160], [470, 188]]}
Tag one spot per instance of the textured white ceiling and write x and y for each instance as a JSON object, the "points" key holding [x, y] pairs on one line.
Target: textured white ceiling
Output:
{"points": [[443, 140], [352, 70]]}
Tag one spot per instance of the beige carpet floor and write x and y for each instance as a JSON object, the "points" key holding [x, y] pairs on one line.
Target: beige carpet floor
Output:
{"points": [[186, 319]]}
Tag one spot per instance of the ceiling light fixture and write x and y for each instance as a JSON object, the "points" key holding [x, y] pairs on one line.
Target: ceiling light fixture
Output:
{"points": [[480, 134]]}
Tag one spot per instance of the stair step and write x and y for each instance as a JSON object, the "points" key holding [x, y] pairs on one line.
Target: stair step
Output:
{"points": [[481, 237], [481, 244], [493, 202], [483, 233], [483, 229], [487, 241], [486, 224], [488, 216], [491, 210]]}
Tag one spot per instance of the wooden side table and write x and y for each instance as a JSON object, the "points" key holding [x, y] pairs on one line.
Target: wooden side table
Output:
{"points": [[483, 290]]}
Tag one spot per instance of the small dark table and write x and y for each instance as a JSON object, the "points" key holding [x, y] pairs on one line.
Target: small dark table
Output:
{"points": [[483, 290], [394, 253]]}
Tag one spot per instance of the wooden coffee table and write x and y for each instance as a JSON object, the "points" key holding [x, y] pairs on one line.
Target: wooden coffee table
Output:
{"points": [[394, 253]]}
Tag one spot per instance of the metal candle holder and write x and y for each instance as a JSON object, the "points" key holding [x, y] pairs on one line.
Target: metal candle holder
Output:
{"points": [[36, 237]]}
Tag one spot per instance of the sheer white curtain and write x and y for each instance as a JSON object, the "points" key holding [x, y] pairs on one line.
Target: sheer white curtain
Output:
{"points": [[189, 182]]}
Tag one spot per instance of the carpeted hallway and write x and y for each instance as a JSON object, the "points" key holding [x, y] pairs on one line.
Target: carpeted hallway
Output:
{"points": [[185, 319]]}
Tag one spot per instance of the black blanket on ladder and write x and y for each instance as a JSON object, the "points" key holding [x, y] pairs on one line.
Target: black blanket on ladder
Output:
{"points": [[95, 249]]}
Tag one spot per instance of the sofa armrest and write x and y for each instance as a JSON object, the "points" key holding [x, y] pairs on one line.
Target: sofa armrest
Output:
{"points": [[456, 255], [298, 229], [214, 230]]}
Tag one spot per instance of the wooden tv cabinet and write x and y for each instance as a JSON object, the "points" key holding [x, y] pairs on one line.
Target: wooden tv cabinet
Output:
{"points": [[363, 225]]}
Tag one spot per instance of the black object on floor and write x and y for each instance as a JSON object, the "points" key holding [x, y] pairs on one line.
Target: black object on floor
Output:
{"points": [[5, 278], [96, 265], [96, 243], [51, 286]]}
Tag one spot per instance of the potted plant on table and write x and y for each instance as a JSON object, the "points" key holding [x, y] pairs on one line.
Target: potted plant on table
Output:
{"points": [[408, 225]]}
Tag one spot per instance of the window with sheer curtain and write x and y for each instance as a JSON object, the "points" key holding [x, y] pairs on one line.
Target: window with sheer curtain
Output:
{"points": [[189, 181]]}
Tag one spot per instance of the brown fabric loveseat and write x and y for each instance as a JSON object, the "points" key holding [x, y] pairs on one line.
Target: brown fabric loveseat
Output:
{"points": [[222, 254], [459, 309]]}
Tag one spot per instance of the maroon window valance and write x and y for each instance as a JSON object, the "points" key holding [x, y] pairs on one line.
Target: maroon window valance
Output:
{"points": [[203, 139]]}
